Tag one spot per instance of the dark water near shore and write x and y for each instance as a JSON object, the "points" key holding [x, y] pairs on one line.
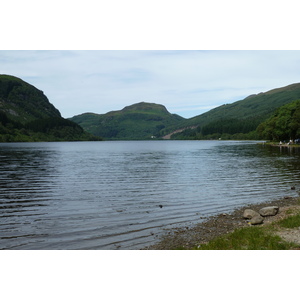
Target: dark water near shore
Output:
{"points": [[108, 195]]}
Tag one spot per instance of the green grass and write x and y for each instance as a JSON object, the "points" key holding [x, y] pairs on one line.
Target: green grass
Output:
{"points": [[257, 237], [248, 238], [290, 222]]}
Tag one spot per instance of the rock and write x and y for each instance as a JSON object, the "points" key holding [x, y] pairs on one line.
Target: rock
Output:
{"points": [[249, 213], [269, 211], [258, 219], [293, 188], [255, 217]]}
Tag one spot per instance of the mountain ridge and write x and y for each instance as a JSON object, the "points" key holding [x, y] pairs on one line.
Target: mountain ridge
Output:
{"points": [[242, 116], [139, 121], [246, 114], [27, 115]]}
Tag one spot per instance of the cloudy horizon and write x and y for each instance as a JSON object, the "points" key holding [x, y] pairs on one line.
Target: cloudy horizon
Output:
{"points": [[187, 83]]}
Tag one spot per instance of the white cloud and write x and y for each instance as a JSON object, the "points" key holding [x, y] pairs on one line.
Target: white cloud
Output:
{"points": [[186, 82]]}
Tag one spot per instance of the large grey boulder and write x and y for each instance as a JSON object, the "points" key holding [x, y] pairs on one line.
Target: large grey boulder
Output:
{"points": [[249, 213], [269, 211], [258, 219]]}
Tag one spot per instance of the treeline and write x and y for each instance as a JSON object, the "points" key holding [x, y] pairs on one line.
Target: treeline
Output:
{"points": [[229, 126], [222, 129], [48, 129], [283, 125], [48, 124]]}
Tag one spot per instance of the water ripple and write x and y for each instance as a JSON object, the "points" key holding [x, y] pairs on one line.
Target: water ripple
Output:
{"points": [[124, 195]]}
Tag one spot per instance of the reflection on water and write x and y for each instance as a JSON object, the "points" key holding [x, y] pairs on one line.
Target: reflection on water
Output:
{"points": [[123, 195]]}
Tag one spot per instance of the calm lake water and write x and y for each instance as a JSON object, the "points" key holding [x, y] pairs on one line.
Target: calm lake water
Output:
{"points": [[124, 195]]}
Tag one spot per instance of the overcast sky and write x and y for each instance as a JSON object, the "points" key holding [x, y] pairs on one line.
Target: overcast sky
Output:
{"points": [[188, 83]]}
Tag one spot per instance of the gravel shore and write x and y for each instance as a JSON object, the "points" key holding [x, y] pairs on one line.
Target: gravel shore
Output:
{"points": [[216, 226]]}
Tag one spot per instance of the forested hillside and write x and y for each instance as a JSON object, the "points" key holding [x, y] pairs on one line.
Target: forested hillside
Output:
{"points": [[135, 122], [240, 119], [27, 115], [23, 102]]}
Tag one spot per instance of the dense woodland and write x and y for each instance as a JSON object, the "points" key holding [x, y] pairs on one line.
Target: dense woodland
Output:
{"points": [[284, 125], [50, 129], [222, 129]]}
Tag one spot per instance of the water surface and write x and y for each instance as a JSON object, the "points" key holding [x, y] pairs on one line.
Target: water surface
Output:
{"points": [[124, 195]]}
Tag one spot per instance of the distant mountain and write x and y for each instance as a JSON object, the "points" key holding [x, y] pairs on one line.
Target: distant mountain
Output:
{"points": [[27, 115], [257, 106], [135, 122], [238, 120], [241, 117]]}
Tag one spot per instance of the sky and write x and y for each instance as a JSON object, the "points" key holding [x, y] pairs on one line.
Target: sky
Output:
{"points": [[187, 82]]}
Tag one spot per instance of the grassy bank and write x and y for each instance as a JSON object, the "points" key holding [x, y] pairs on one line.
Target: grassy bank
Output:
{"points": [[232, 231], [250, 238], [264, 237]]}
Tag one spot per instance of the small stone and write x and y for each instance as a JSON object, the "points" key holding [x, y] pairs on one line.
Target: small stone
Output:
{"points": [[269, 211], [249, 213]]}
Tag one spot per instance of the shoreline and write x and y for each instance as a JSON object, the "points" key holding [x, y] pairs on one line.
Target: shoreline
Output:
{"points": [[285, 145], [218, 225]]}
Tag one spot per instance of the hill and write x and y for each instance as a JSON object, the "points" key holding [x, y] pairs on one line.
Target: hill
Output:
{"points": [[241, 118], [238, 120], [27, 115], [135, 122], [22, 102]]}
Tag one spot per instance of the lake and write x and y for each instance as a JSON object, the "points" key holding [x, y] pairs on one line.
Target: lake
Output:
{"points": [[126, 194]]}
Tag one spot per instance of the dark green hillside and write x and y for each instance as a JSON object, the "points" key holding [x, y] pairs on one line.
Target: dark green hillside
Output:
{"points": [[23, 102], [283, 125], [135, 122], [26, 115], [46, 130], [242, 117], [257, 106]]}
